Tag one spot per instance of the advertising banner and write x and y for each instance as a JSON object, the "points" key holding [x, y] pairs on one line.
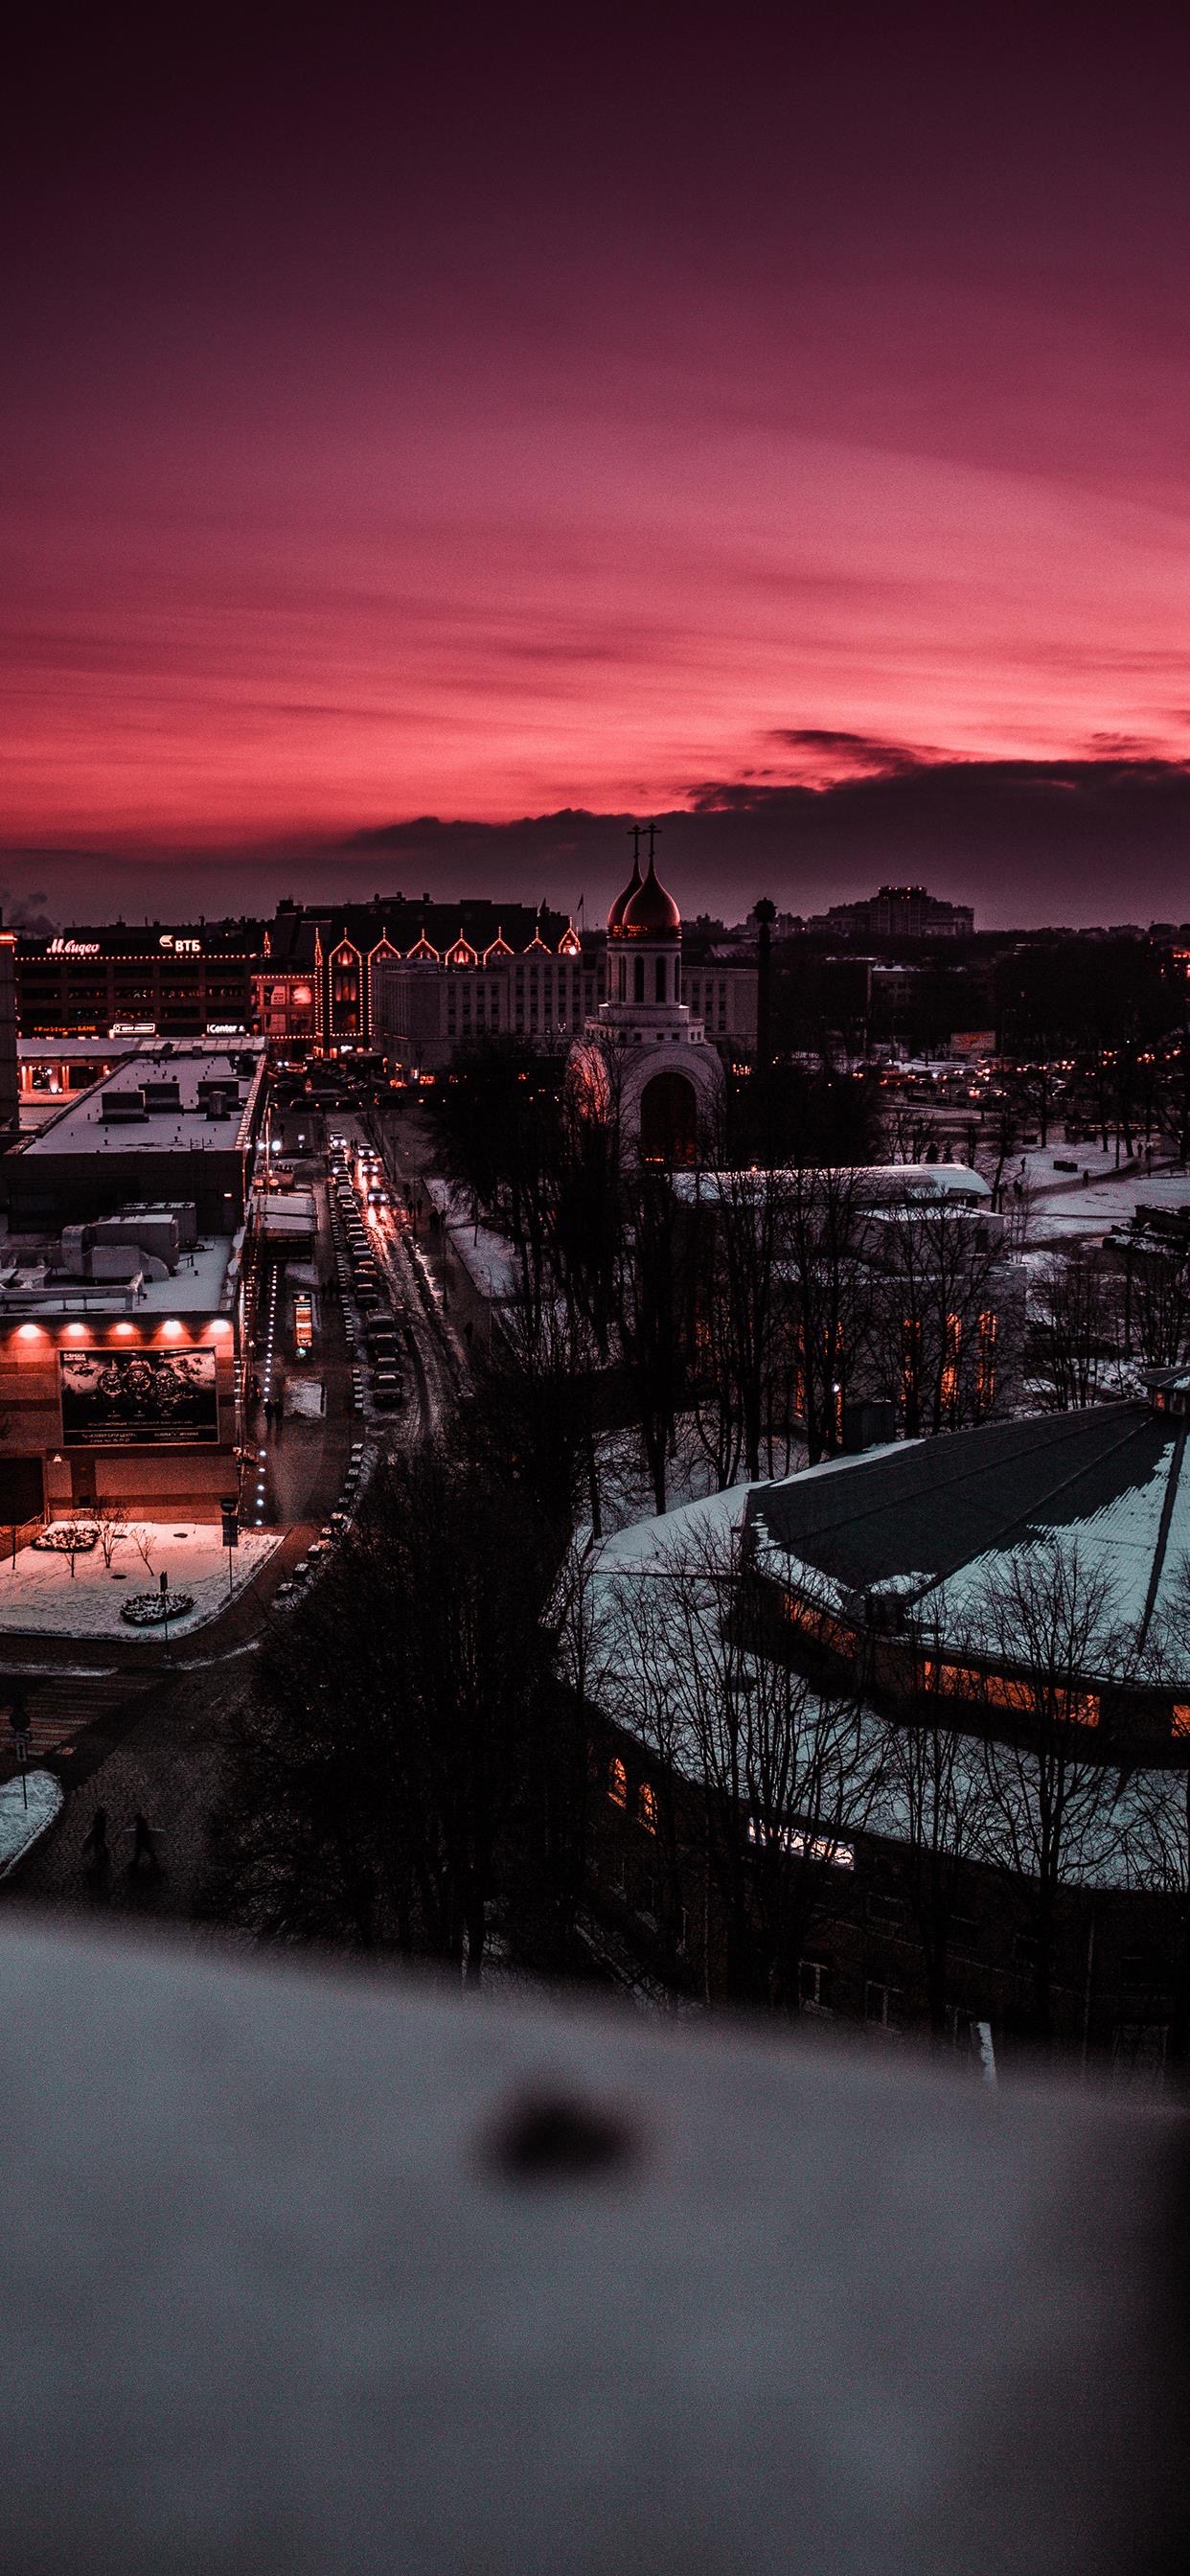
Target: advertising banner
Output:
{"points": [[137, 1399]]}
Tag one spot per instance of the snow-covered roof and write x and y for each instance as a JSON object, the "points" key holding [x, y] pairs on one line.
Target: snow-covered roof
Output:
{"points": [[81, 1127], [935, 1521], [656, 1664], [874, 1184]]}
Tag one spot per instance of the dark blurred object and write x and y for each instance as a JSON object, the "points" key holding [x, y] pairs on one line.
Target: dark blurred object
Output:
{"points": [[282, 2290]]}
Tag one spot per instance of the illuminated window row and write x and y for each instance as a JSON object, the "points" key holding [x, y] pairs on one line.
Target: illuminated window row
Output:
{"points": [[1005, 1690], [171, 1330]]}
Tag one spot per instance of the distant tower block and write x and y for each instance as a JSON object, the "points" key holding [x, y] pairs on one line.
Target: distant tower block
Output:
{"points": [[643, 1061]]}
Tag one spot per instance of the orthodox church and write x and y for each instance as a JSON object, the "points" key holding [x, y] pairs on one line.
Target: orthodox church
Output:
{"points": [[643, 1060]]}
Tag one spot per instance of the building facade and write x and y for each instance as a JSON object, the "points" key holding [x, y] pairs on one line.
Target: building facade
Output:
{"points": [[122, 1296], [146, 980], [898, 912], [322, 982]]}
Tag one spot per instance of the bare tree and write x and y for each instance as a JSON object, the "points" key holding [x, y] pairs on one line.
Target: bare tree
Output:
{"points": [[1074, 1336], [768, 1775], [144, 1540], [1045, 1625], [829, 1292], [652, 1318], [109, 1520], [937, 1264], [1155, 1802], [534, 1409], [738, 1231], [935, 1795], [1156, 1317], [401, 1768]]}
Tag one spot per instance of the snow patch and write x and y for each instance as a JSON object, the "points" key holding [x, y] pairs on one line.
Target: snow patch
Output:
{"points": [[25, 1812], [39, 1596]]}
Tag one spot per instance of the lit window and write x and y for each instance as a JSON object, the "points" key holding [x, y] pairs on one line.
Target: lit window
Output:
{"points": [[1181, 1718], [617, 1784], [648, 1808], [950, 1364], [985, 1370]]}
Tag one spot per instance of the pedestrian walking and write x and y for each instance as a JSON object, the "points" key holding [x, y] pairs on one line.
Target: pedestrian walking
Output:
{"points": [[143, 1845], [95, 1854]]}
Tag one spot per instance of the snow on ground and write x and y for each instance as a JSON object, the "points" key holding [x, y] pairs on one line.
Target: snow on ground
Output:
{"points": [[25, 1813], [305, 1395], [38, 1595], [1060, 1206], [489, 1258]]}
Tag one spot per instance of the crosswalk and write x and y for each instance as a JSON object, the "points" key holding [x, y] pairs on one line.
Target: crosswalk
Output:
{"points": [[58, 1711]]}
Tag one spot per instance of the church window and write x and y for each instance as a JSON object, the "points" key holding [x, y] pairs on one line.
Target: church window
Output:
{"points": [[639, 991], [660, 977]]}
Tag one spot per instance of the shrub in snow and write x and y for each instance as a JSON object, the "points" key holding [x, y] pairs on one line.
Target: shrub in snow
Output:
{"points": [[152, 1609], [66, 1538]]}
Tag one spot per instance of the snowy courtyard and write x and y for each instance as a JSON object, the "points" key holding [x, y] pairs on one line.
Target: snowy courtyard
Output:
{"points": [[39, 1595]]}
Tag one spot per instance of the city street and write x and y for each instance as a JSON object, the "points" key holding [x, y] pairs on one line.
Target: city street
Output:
{"points": [[130, 1724]]}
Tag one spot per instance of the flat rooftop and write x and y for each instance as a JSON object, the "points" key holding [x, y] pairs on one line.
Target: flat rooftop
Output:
{"points": [[85, 1124], [202, 1284]]}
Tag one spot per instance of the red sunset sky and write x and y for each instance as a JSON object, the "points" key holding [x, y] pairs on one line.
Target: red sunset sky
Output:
{"points": [[515, 420]]}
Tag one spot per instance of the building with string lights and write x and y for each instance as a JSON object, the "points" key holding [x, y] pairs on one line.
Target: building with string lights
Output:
{"points": [[414, 979]]}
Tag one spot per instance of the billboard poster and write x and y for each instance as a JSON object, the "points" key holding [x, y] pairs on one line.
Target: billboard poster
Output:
{"points": [[137, 1399]]}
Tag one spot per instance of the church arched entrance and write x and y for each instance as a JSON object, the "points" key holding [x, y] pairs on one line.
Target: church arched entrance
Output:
{"points": [[669, 1119]]}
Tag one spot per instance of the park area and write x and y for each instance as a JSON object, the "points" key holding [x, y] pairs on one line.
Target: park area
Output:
{"points": [[40, 1595]]}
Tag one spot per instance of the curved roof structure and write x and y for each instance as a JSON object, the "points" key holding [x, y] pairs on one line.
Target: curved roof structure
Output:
{"points": [[651, 912], [616, 914]]}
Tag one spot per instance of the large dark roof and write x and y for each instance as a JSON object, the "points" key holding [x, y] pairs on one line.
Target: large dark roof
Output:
{"points": [[932, 1506], [403, 918]]}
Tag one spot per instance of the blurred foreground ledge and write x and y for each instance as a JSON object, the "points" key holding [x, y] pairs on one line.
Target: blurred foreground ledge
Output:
{"points": [[315, 2272]]}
